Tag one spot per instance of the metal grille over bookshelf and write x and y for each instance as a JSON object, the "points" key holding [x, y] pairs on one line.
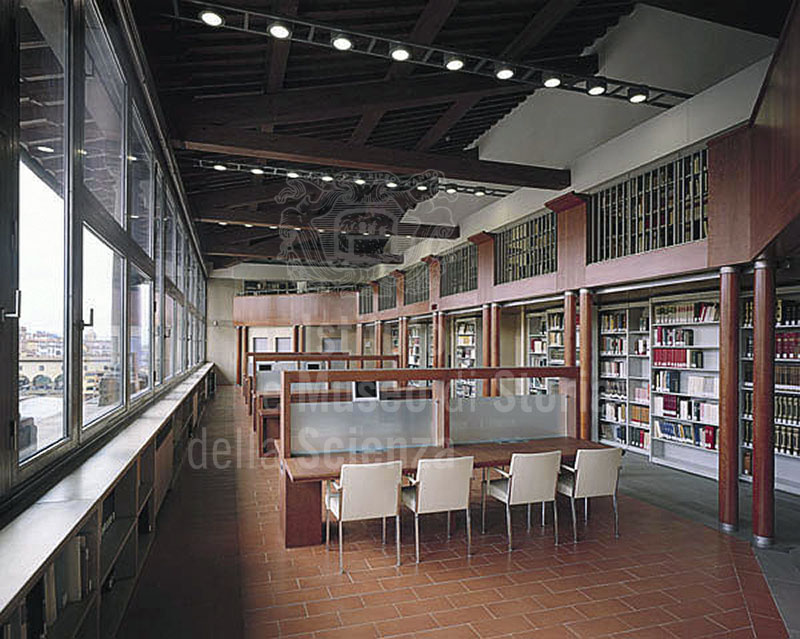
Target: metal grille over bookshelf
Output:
{"points": [[417, 284], [664, 206], [459, 270], [387, 292], [526, 249], [364, 300]]}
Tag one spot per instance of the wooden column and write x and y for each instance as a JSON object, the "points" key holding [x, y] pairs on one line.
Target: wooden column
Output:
{"points": [[295, 338], [728, 435], [495, 347], [359, 343], [585, 385], [301, 339], [763, 403], [239, 355], [486, 346], [378, 350], [569, 328], [402, 342], [245, 362]]}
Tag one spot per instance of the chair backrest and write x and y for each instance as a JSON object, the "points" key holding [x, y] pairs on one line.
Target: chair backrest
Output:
{"points": [[597, 472], [370, 490], [534, 476], [443, 484]]}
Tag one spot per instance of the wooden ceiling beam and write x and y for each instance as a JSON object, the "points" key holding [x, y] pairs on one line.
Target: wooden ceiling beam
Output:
{"points": [[286, 148], [538, 28], [281, 257]]}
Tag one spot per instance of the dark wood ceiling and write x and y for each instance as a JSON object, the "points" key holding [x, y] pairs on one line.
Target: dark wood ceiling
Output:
{"points": [[221, 82]]}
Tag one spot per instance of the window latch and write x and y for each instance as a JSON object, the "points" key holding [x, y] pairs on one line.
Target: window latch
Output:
{"points": [[90, 323], [12, 433], [4, 314]]}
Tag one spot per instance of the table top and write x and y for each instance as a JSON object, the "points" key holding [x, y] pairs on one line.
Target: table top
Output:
{"points": [[328, 466]]}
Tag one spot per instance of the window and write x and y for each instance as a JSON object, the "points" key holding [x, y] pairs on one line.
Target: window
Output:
{"points": [[42, 227], [416, 284], [103, 271], [104, 118], [140, 298], [459, 270], [140, 177], [158, 245], [365, 300], [283, 344], [526, 249], [169, 238], [169, 338], [387, 292]]}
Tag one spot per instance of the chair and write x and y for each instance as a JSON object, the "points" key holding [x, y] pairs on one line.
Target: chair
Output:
{"points": [[596, 474], [440, 486], [364, 491], [531, 479]]}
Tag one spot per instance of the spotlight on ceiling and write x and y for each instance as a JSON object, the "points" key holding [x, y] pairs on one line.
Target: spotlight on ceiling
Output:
{"points": [[550, 80], [320, 231], [450, 190], [391, 185], [45, 149], [327, 178], [503, 72], [293, 174], [279, 30], [454, 63], [341, 42], [211, 18], [638, 94], [220, 167], [596, 86], [480, 193], [422, 187], [360, 181], [222, 223], [248, 226], [273, 227], [400, 54], [257, 171]]}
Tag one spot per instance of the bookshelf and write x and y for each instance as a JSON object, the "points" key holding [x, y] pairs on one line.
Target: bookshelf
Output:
{"points": [[684, 366], [420, 348], [466, 354], [623, 353], [544, 346], [787, 389]]}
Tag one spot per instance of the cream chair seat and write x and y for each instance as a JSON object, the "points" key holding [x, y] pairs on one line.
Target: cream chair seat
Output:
{"points": [[595, 474], [531, 479], [440, 486], [364, 491]]}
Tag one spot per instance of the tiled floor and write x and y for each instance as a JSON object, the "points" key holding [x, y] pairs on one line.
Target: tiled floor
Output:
{"points": [[219, 569]]}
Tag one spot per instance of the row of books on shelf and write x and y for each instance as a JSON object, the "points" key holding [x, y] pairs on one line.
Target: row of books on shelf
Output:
{"points": [[556, 339], [665, 336], [613, 345], [697, 385], [677, 357], [613, 433], [787, 345], [641, 346], [613, 412], [538, 345], [686, 313], [640, 414], [641, 393], [556, 321], [787, 312], [787, 408], [613, 368], [787, 438], [640, 438], [613, 321], [686, 409], [696, 434], [787, 376], [614, 388], [463, 339]]}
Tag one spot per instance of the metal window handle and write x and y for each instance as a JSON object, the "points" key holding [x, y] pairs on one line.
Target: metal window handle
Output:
{"points": [[4, 315], [90, 323]]}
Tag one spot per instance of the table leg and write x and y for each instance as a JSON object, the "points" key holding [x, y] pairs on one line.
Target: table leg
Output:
{"points": [[301, 512]]}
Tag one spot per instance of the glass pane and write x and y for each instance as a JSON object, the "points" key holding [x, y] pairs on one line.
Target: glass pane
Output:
{"points": [[157, 330], [179, 252], [103, 118], [41, 225], [169, 338], [179, 335], [140, 175], [169, 239], [102, 342], [140, 303]]}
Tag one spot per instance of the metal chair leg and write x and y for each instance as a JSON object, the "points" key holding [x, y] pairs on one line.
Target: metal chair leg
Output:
{"points": [[555, 519], [616, 515], [397, 535], [469, 532], [529, 519], [508, 524], [585, 509], [542, 514], [574, 523], [447, 514], [416, 534], [341, 557], [383, 530], [483, 502]]}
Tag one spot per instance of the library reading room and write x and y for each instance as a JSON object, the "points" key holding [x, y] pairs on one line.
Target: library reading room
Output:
{"points": [[358, 319]]}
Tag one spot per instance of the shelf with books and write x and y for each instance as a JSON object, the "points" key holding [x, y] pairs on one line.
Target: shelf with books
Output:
{"points": [[466, 355], [685, 379], [543, 337]]}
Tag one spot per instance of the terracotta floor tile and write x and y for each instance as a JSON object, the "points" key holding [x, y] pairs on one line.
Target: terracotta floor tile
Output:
{"points": [[694, 628], [458, 616], [602, 608], [365, 631], [498, 627], [598, 627], [420, 606], [555, 616], [309, 624], [369, 614], [514, 607], [403, 625], [731, 619]]}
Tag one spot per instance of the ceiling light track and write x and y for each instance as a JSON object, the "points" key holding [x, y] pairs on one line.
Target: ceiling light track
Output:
{"points": [[318, 34]]}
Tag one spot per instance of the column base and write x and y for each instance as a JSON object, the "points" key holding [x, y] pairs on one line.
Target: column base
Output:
{"points": [[728, 528], [762, 542]]}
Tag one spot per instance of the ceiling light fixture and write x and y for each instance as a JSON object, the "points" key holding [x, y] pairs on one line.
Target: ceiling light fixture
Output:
{"points": [[248, 226], [480, 193], [400, 54], [327, 178], [638, 94], [222, 223], [551, 81], [320, 231], [296, 228], [360, 181], [211, 18], [341, 42], [503, 72], [391, 185], [273, 227], [596, 86], [421, 187], [454, 63], [257, 171], [450, 190], [279, 30], [293, 174], [45, 149], [220, 167]]}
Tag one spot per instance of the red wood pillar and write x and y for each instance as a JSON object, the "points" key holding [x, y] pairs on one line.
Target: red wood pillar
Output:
{"points": [[495, 347], [403, 342], [301, 338], [359, 342], [585, 385], [728, 435], [763, 403], [486, 346], [295, 338], [238, 355], [569, 328], [246, 360], [378, 350]]}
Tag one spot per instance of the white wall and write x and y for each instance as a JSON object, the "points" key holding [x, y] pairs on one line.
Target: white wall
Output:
{"points": [[221, 333]]}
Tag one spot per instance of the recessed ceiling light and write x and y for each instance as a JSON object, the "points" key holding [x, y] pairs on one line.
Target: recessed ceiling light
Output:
{"points": [[365, 233], [451, 190], [220, 167], [638, 94], [360, 181], [211, 18], [248, 226], [341, 42], [400, 54], [503, 72], [551, 81], [596, 86], [279, 30], [222, 223], [296, 228], [131, 158], [45, 149], [408, 237], [387, 235], [273, 227], [293, 174], [320, 231], [391, 185], [421, 187], [480, 193], [454, 63], [327, 178]]}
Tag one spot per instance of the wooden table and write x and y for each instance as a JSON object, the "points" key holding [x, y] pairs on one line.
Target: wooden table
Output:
{"points": [[302, 477]]}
